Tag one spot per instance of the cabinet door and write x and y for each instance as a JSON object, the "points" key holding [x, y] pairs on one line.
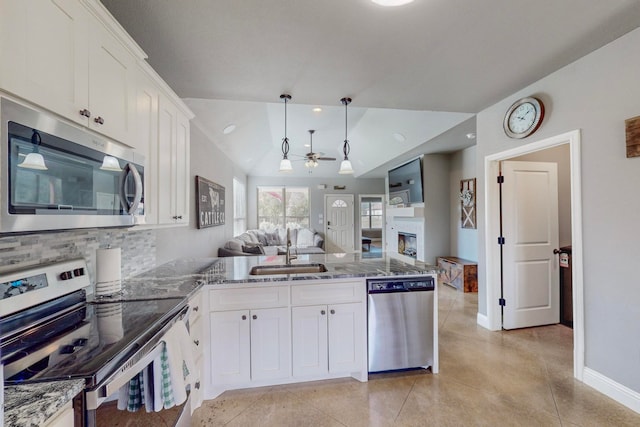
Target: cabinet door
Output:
{"points": [[346, 337], [182, 181], [44, 51], [230, 347], [270, 343], [111, 86], [146, 141], [309, 340], [167, 117]]}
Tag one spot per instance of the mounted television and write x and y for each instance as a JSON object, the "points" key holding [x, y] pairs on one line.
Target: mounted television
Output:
{"points": [[405, 183]]}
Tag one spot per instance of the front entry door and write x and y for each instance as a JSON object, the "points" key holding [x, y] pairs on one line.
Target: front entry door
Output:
{"points": [[530, 229], [339, 226]]}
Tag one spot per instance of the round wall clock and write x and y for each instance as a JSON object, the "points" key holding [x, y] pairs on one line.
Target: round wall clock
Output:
{"points": [[524, 117]]}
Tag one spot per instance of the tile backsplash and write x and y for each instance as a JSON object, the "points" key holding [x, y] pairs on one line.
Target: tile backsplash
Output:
{"points": [[138, 249]]}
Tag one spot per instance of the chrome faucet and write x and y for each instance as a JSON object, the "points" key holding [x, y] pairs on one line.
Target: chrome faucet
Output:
{"points": [[289, 257]]}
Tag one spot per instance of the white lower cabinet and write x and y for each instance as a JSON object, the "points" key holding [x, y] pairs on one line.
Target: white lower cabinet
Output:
{"points": [[285, 333], [327, 339], [250, 345]]}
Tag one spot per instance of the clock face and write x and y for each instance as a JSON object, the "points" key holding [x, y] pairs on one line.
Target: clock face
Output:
{"points": [[523, 117]]}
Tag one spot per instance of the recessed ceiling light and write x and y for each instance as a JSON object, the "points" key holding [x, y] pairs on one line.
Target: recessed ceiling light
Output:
{"points": [[229, 128], [317, 110], [399, 137], [471, 135], [391, 2]]}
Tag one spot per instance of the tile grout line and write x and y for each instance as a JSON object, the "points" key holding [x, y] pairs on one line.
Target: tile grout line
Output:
{"points": [[413, 385]]}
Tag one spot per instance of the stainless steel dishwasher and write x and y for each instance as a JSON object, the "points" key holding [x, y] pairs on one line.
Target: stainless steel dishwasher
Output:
{"points": [[400, 317]]}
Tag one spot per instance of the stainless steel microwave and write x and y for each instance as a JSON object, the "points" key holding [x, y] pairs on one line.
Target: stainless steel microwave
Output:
{"points": [[56, 176]]}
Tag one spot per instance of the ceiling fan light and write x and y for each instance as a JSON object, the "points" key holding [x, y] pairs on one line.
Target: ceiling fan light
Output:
{"points": [[345, 167], [33, 161], [285, 166]]}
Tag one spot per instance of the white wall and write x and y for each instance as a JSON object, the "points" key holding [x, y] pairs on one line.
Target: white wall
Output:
{"points": [[464, 241], [180, 242], [594, 94]]}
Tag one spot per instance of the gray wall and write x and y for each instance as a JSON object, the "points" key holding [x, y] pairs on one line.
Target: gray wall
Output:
{"points": [[594, 94], [464, 241], [355, 186], [437, 215], [189, 241]]}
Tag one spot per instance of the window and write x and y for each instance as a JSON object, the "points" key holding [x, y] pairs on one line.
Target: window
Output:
{"points": [[239, 208], [371, 214], [281, 207]]}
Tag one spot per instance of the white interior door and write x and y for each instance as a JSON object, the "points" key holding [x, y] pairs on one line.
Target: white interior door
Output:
{"points": [[530, 229], [340, 226]]}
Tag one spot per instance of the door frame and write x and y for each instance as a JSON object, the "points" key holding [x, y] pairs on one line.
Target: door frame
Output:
{"points": [[384, 215], [493, 318]]}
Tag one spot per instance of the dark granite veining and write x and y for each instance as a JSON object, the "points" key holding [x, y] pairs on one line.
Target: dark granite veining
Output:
{"points": [[30, 405]]}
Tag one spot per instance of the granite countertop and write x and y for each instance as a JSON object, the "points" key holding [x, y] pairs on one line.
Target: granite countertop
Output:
{"points": [[236, 269], [30, 405]]}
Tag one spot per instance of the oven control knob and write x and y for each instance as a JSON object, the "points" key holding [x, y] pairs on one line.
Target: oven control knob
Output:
{"points": [[78, 272], [66, 275], [67, 349]]}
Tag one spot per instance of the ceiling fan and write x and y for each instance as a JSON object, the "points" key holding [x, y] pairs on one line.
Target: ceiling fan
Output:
{"points": [[311, 158]]}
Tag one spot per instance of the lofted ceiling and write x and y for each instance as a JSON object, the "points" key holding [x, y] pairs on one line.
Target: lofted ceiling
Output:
{"points": [[421, 70]]}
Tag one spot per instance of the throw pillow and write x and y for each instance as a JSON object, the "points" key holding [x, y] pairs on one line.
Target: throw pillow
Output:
{"points": [[234, 245], [272, 239]]}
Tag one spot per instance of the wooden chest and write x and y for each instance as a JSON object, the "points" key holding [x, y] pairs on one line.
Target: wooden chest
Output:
{"points": [[460, 273]]}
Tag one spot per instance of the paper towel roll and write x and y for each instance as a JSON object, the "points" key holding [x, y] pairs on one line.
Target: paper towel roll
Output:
{"points": [[108, 271]]}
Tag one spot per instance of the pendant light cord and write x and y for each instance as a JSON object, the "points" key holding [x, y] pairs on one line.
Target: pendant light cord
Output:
{"points": [[346, 148], [285, 140]]}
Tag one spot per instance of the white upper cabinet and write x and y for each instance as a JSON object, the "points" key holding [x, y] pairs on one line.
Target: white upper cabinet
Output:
{"points": [[44, 49], [58, 55], [112, 92]]}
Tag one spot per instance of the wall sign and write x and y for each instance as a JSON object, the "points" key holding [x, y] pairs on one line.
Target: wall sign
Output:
{"points": [[209, 203], [632, 131], [468, 203]]}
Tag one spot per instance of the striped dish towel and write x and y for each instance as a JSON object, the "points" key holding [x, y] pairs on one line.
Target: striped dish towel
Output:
{"points": [[167, 390]]}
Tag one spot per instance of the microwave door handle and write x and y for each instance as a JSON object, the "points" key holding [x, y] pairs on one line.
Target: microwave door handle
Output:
{"points": [[130, 208]]}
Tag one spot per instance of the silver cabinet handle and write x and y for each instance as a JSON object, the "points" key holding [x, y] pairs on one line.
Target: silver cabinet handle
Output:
{"points": [[323, 312], [86, 113], [244, 317], [196, 342], [195, 308], [197, 385], [255, 317], [99, 120], [332, 312]]}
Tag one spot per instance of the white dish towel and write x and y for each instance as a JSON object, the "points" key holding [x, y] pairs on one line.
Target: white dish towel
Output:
{"points": [[181, 362]]}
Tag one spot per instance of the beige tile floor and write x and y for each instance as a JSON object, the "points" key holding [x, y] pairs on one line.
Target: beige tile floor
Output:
{"points": [[508, 378]]}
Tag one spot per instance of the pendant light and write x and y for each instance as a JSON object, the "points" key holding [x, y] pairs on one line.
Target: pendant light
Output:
{"points": [[34, 160], [285, 163], [345, 166], [311, 162]]}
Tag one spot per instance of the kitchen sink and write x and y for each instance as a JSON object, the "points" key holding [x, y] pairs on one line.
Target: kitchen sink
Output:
{"points": [[260, 270]]}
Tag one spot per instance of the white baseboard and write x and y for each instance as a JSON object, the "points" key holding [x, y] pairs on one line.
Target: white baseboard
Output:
{"points": [[483, 321], [614, 390]]}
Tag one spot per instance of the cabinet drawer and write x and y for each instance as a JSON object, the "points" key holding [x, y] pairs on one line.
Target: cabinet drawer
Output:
{"points": [[248, 298], [327, 293]]}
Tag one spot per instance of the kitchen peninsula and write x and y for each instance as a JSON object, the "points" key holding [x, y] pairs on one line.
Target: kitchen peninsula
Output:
{"points": [[253, 330]]}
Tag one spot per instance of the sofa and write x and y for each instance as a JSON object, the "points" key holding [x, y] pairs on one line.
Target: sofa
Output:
{"points": [[274, 242]]}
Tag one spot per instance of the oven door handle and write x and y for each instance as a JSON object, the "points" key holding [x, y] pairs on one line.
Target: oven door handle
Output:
{"points": [[132, 207], [123, 375]]}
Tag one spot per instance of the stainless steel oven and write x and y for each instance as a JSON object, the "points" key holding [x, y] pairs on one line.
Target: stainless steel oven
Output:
{"points": [[59, 176], [49, 331]]}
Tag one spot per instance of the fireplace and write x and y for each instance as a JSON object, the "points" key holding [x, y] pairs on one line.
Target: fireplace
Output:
{"points": [[407, 244]]}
